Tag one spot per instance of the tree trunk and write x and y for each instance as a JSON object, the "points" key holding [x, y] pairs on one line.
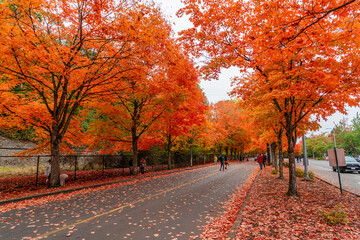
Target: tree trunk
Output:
{"points": [[55, 156], [273, 155], [169, 152], [191, 155], [135, 137], [134, 169], [268, 152], [281, 156], [292, 190]]}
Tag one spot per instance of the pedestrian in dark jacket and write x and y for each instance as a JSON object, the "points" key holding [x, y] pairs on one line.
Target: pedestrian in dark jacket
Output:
{"points": [[222, 162]]}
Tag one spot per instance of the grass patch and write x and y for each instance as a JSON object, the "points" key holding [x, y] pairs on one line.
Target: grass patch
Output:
{"points": [[336, 215], [286, 164], [20, 171], [301, 173]]}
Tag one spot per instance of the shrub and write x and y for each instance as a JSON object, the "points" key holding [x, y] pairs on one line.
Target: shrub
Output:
{"points": [[274, 171], [336, 215], [286, 164], [301, 173]]}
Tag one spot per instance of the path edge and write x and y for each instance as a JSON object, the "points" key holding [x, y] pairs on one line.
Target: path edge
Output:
{"points": [[239, 218]]}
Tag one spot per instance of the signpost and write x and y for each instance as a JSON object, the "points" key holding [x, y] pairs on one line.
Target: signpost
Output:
{"points": [[336, 159]]}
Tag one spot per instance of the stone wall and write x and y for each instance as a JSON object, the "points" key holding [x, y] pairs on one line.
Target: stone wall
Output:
{"points": [[9, 147]]}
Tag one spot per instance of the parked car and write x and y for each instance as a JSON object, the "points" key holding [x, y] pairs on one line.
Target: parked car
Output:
{"points": [[351, 165]]}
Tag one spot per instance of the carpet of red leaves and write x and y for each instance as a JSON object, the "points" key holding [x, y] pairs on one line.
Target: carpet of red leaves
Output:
{"points": [[22, 186], [18, 186], [271, 214]]}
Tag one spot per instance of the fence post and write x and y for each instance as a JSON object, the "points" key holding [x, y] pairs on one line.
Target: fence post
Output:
{"points": [[75, 167], [103, 165], [37, 170]]}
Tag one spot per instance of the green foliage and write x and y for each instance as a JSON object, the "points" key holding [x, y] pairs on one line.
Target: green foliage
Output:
{"points": [[301, 173], [274, 171], [347, 136], [89, 118], [24, 134], [286, 164], [336, 215], [318, 145]]}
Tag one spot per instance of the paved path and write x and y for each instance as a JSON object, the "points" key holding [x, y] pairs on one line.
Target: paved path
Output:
{"points": [[167, 207], [349, 181]]}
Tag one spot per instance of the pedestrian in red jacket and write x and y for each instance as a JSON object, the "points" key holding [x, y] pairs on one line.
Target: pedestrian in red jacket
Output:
{"points": [[260, 160]]}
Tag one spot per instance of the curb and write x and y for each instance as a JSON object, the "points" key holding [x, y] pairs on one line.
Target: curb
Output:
{"points": [[331, 184], [13, 200], [239, 218]]}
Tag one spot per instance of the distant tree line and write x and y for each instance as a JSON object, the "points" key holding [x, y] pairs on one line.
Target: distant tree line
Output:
{"points": [[347, 136]]}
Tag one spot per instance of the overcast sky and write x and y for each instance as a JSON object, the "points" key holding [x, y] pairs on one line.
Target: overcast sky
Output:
{"points": [[216, 90]]}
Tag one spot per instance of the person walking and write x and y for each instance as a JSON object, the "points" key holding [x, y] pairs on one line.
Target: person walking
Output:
{"points": [[48, 172], [222, 161], [142, 165], [215, 159], [260, 160]]}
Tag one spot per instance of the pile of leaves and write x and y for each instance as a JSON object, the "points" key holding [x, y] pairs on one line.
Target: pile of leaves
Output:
{"points": [[20, 186], [271, 214]]}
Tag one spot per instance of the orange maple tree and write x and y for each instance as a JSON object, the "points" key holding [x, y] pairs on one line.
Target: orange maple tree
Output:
{"points": [[230, 131], [181, 120], [60, 54], [301, 58], [166, 80]]}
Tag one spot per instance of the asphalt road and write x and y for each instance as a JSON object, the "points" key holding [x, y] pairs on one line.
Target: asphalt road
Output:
{"points": [[168, 207], [349, 180]]}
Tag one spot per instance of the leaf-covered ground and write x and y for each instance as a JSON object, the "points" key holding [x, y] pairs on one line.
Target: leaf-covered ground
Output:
{"points": [[20, 186], [271, 214]]}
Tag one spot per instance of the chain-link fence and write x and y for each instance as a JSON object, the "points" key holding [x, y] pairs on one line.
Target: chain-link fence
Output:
{"points": [[29, 171]]}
